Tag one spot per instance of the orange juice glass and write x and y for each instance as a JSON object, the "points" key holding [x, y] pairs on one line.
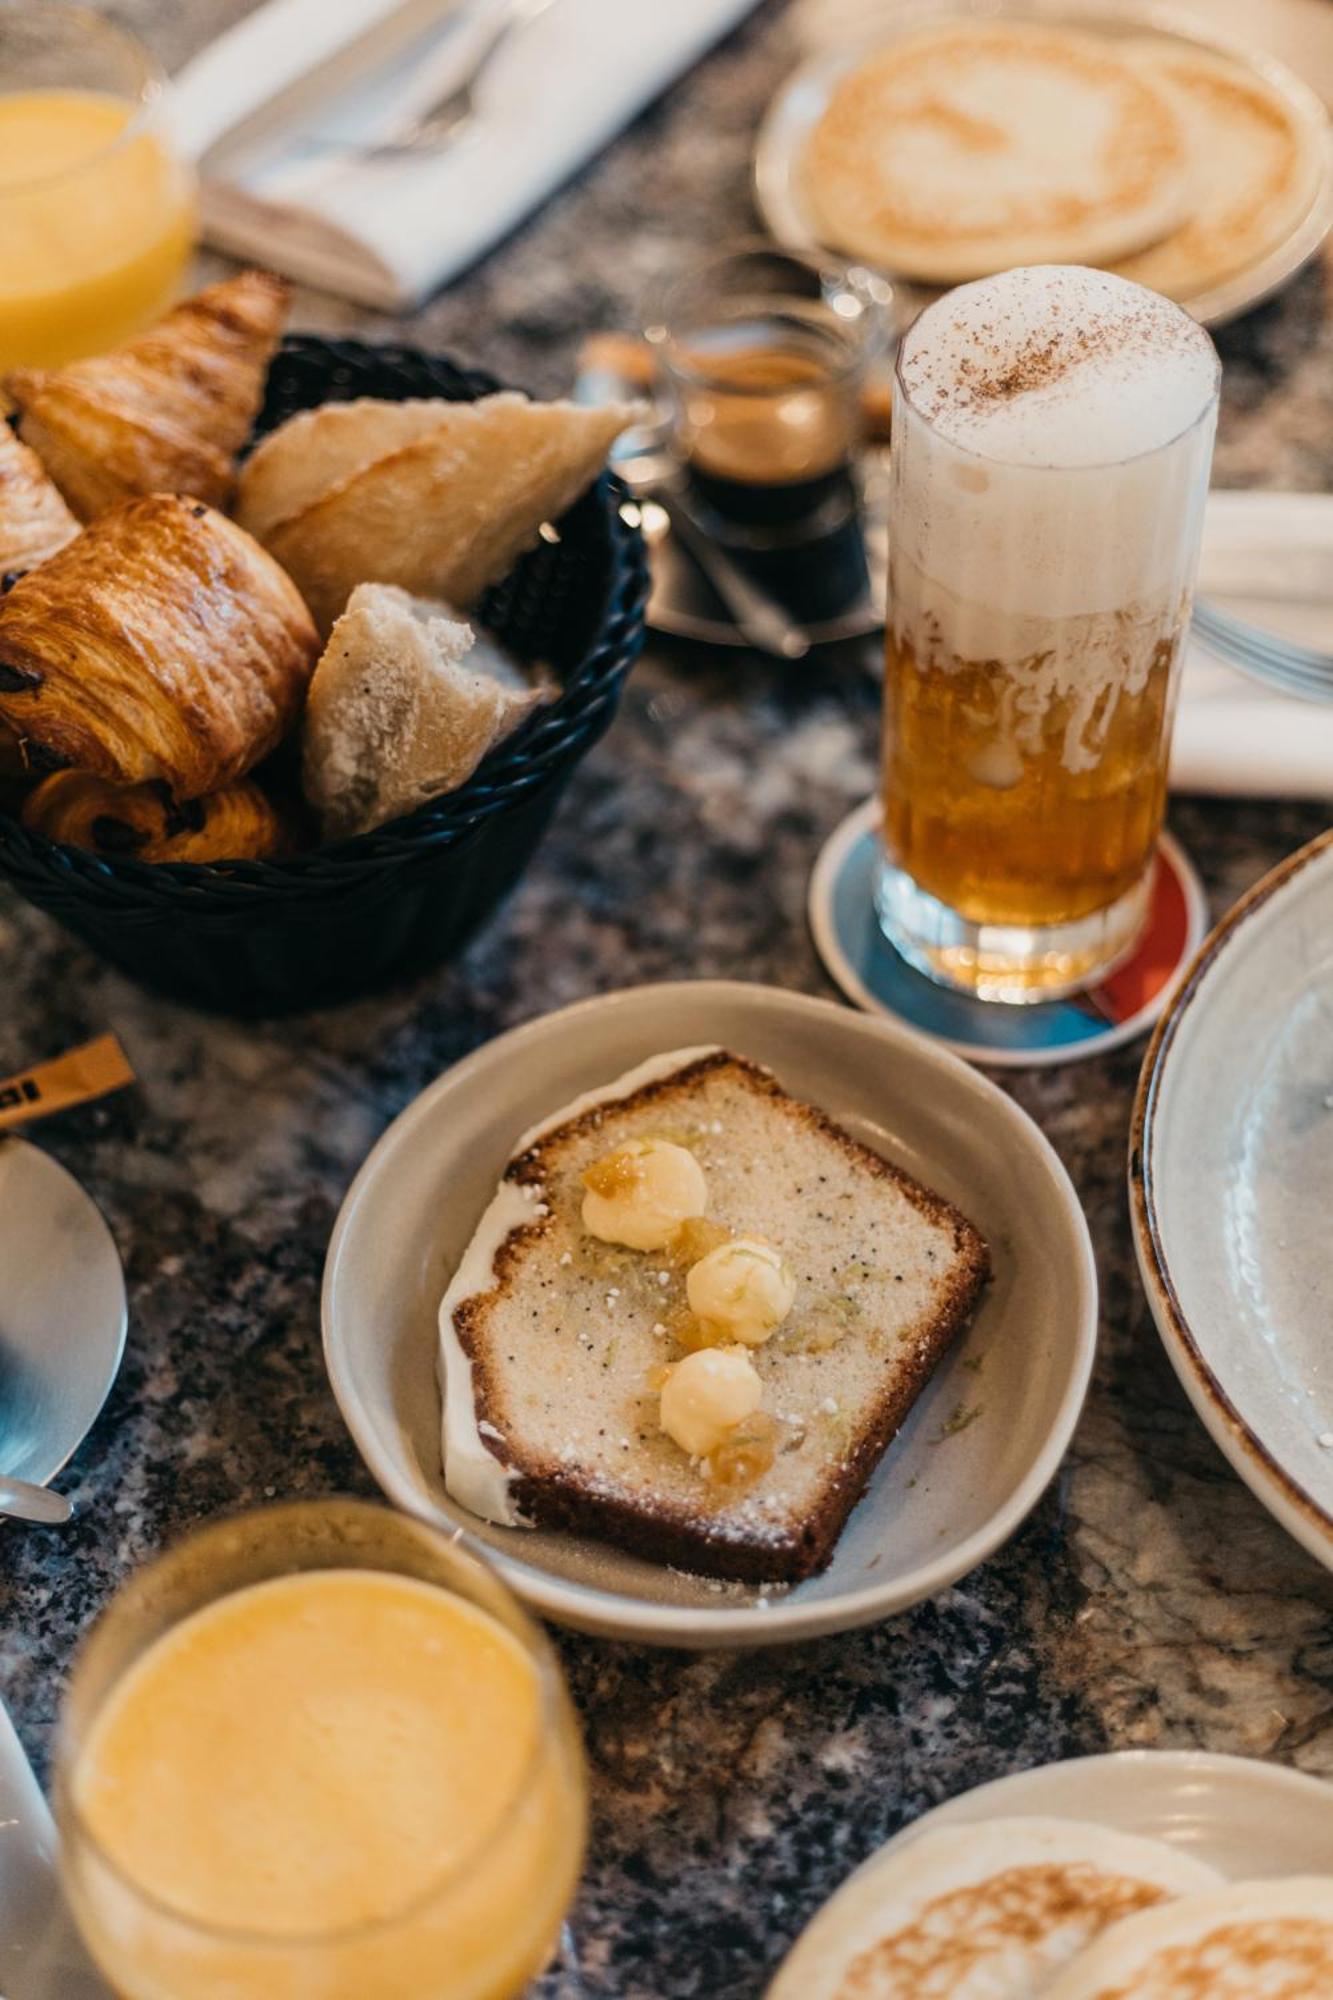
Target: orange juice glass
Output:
{"points": [[319, 1753], [97, 212]]}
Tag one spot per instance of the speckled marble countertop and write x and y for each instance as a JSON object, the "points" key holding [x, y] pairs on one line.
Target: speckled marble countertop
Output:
{"points": [[1149, 1601]]}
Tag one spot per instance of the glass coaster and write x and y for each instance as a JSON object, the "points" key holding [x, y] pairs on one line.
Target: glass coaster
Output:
{"points": [[871, 973]]}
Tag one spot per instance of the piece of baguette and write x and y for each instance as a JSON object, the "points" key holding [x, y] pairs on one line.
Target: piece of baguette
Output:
{"points": [[441, 501], [395, 716], [551, 1339], [312, 451]]}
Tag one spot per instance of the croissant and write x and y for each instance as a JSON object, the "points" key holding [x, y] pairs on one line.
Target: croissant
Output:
{"points": [[239, 823], [166, 413], [34, 520], [162, 643], [440, 498]]}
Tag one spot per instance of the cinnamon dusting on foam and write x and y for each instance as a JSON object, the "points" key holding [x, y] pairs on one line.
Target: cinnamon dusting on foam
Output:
{"points": [[1058, 365]]}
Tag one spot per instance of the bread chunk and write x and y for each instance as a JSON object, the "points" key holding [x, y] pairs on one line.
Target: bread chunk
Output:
{"points": [[395, 715]]}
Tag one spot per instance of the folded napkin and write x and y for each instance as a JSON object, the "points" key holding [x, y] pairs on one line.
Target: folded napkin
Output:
{"points": [[388, 232], [1268, 558]]}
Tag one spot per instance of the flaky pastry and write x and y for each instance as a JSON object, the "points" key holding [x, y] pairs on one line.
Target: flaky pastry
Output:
{"points": [[166, 413], [34, 520], [144, 822], [163, 643]]}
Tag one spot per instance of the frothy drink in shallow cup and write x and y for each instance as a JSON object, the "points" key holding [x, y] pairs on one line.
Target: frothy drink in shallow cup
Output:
{"points": [[1053, 433], [318, 1753]]}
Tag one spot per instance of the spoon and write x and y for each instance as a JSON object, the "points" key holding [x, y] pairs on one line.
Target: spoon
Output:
{"points": [[62, 1326], [27, 1502]]}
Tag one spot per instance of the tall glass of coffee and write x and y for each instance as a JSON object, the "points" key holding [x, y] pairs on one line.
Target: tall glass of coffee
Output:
{"points": [[1053, 434]]}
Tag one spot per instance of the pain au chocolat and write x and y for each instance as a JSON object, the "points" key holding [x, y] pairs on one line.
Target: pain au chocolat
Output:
{"points": [[163, 643], [166, 413], [144, 822]]}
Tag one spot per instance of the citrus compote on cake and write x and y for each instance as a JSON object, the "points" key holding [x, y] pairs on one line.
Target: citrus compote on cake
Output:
{"points": [[691, 1320]]}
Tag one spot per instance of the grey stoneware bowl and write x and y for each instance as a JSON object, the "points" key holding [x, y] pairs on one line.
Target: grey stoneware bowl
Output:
{"points": [[942, 1498], [1231, 1189]]}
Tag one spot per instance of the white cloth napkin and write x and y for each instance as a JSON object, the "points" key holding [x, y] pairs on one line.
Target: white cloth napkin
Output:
{"points": [[388, 232], [1267, 557]]}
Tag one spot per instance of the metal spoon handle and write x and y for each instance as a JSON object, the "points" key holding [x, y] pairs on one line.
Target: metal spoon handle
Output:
{"points": [[34, 1503], [760, 617]]}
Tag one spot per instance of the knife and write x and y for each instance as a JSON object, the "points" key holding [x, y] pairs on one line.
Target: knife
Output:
{"points": [[290, 105]]}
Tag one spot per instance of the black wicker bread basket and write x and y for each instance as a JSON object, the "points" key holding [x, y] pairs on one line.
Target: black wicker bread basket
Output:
{"points": [[261, 937]]}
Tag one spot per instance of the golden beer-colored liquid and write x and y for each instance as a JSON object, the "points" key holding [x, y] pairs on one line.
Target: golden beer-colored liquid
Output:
{"points": [[1010, 834]]}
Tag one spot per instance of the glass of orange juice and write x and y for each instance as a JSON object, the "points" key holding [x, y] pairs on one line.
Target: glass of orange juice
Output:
{"points": [[96, 208], [318, 1752]]}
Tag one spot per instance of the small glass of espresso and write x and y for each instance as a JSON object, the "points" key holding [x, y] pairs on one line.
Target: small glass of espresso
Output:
{"points": [[763, 355]]}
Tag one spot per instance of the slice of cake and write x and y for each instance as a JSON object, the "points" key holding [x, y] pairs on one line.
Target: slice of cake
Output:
{"points": [[692, 1319]]}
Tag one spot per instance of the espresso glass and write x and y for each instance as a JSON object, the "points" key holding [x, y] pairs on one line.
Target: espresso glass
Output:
{"points": [[763, 357]]}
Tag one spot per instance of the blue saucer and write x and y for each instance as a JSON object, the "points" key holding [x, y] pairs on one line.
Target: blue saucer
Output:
{"points": [[871, 973]]}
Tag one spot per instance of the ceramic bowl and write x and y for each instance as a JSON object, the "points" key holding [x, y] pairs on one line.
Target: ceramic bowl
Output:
{"points": [[942, 1498]]}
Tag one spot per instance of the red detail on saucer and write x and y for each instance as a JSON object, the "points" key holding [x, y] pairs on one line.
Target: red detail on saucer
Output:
{"points": [[1157, 956]]}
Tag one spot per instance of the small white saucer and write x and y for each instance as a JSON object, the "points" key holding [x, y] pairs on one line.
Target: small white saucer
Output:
{"points": [[1244, 1818], [870, 972], [943, 1497]]}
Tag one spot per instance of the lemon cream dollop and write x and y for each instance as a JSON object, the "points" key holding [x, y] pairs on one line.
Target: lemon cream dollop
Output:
{"points": [[641, 1193], [707, 1395], [745, 1287]]}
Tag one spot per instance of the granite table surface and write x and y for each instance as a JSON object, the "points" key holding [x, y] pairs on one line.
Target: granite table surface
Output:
{"points": [[1149, 1601]]}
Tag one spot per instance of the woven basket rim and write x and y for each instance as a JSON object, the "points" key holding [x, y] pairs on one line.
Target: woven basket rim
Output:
{"points": [[550, 738]]}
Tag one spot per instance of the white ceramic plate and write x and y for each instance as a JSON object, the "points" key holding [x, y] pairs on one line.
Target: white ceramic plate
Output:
{"points": [[800, 104], [1231, 1183], [1244, 1818], [937, 1504]]}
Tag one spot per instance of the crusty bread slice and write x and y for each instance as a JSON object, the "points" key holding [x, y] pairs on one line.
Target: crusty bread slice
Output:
{"points": [[563, 1335], [395, 716], [444, 510], [316, 448]]}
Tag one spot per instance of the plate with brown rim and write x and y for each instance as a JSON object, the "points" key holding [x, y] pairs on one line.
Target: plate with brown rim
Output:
{"points": [[1231, 1188]]}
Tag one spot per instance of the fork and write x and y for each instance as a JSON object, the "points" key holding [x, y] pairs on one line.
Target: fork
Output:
{"points": [[440, 123], [1303, 671]]}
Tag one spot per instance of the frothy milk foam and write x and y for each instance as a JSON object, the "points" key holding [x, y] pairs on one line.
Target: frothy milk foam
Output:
{"points": [[1052, 429]]}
